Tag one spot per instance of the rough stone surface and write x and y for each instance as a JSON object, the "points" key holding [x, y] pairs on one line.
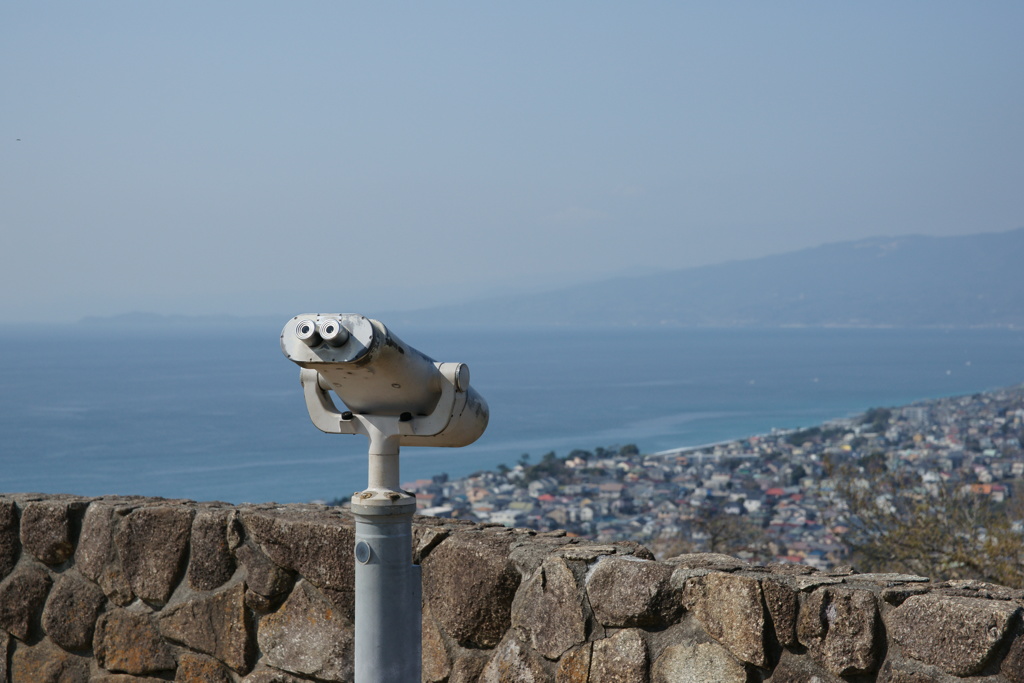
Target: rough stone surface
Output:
{"points": [[529, 553], [262, 576], [211, 563], [574, 667], [619, 659], [5, 648], [46, 531], [731, 610], [627, 592], [269, 675], [436, 665], [467, 669], [1012, 666], [10, 540], [697, 663], [125, 678], [512, 662], [22, 595], [898, 669], [839, 627], [96, 555], [797, 669], [956, 634], [193, 668], [319, 547], [129, 642], [152, 543], [470, 583], [715, 561], [308, 637], [47, 663], [425, 538], [69, 617], [215, 625], [547, 612], [782, 602]]}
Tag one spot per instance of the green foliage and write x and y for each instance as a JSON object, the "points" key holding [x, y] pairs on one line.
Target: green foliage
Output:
{"points": [[878, 418], [801, 436], [896, 524]]}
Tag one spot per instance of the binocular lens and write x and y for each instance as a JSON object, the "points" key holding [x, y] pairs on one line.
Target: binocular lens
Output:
{"points": [[306, 332], [332, 332]]}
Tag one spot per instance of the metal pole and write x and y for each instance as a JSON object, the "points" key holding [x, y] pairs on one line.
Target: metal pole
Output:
{"points": [[388, 586], [388, 596]]}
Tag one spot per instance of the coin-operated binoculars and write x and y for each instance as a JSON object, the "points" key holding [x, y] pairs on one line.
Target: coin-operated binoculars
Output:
{"points": [[394, 396]]}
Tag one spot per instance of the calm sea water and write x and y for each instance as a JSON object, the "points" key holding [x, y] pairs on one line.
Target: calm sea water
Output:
{"points": [[219, 414]]}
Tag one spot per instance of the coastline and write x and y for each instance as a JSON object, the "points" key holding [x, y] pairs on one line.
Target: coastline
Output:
{"points": [[778, 484]]}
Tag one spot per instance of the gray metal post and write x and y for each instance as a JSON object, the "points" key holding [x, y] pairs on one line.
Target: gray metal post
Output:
{"points": [[388, 589], [388, 595]]}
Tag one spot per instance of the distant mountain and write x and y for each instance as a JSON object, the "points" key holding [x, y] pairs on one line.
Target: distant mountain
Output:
{"points": [[911, 281]]}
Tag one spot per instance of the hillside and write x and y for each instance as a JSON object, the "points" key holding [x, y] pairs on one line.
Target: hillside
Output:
{"points": [[963, 281]]}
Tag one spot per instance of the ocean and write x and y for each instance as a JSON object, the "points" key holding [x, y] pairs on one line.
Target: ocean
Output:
{"points": [[218, 414]]}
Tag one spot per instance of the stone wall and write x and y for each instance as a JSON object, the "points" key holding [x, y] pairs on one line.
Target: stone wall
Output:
{"points": [[114, 590]]}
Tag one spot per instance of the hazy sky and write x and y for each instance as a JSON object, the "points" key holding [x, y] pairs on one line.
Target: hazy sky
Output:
{"points": [[255, 157]]}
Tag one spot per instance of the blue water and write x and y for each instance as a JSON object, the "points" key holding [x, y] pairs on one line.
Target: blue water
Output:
{"points": [[219, 415]]}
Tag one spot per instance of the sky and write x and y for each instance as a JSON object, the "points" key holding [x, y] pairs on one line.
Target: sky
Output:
{"points": [[259, 158]]}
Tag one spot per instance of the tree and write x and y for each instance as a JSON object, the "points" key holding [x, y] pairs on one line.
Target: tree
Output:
{"points": [[712, 531], [897, 524]]}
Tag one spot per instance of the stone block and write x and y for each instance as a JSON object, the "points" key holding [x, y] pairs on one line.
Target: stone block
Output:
{"points": [[627, 592], [129, 642], [425, 538], [47, 531], [193, 668], [318, 548], [270, 675], [731, 610], [793, 668], [47, 663], [622, 658], [262, 576], [10, 538], [470, 582], [216, 625], [958, 635], [211, 563], [22, 595], [547, 612], [96, 556], [782, 602], [574, 667], [899, 669], [69, 618], [697, 663], [436, 665], [839, 627], [308, 637], [468, 668], [1012, 666], [513, 662], [713, 561], [152, 543]]}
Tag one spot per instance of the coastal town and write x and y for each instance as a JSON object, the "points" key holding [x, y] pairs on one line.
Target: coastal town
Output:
{"points": [[776, 497]]}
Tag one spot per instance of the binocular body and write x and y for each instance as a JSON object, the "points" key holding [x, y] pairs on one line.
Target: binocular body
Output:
{"points": [[376, 374]]}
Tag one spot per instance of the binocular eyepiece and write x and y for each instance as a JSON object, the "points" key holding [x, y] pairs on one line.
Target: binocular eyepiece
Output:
{"points": [[328, 331]]}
